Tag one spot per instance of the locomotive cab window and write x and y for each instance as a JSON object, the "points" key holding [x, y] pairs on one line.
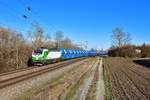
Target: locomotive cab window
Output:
{"points": [[38, 51], [53, 49]]}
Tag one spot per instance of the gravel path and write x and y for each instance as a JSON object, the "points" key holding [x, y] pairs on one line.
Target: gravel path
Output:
{"points": [[10, 92], [83, 89], [100, 85]]}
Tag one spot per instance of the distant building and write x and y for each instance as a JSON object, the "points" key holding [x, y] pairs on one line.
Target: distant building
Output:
{"points": [[138, 51]]}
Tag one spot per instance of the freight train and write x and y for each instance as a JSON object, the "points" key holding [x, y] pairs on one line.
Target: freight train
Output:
{"points": [[42, 56]]}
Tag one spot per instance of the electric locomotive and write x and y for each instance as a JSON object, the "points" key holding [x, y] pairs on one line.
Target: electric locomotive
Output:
{"points": [[42, 56]]}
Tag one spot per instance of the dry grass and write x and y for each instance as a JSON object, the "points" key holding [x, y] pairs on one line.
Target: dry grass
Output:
{"points": [[107, 84], [93, 88], [57, 87]]}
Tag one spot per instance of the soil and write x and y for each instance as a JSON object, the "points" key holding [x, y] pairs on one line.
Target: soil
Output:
{"points": [[129, 80]]}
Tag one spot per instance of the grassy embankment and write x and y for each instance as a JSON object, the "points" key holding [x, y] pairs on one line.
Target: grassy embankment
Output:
{"points": [[107, 83], [28, 95], [72, 91]]}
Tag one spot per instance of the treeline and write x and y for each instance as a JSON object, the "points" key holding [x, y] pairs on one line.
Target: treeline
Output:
{"points": [[15, 49], [130, 51], [121, 45], [39, 38], [124, 51]]}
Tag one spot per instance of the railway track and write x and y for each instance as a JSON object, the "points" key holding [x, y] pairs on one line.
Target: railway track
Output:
{"points": [[10, 78], [15, 71], [21, 70]]}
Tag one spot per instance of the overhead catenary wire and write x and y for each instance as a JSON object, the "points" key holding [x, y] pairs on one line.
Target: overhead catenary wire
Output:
{"points": [[29, 8], [26, 15], [12, 11]]}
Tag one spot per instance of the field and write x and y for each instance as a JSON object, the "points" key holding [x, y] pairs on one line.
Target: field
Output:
{"points": [[128, 80]]}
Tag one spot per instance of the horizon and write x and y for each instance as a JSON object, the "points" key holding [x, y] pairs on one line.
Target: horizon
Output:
{"points": [[86, 20]]}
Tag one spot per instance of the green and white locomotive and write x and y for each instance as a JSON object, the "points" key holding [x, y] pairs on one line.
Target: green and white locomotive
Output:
{"points": [[45, 56]]}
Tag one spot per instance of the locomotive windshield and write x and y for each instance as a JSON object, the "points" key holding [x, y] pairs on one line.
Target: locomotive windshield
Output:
{"points": [[38, 51], [53, 49]]}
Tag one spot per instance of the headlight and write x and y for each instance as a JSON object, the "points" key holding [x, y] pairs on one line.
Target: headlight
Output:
{"points": [[37, 58]]}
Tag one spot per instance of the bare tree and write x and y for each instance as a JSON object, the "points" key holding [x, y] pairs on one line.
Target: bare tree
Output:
{"points": [[12, 56], [36, 34], [145, 50], [58, 39], [120, 38], [67, 43], [48, 43]]}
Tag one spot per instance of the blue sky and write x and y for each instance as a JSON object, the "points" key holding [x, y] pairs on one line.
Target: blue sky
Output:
{"points": [[81, 20]]}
